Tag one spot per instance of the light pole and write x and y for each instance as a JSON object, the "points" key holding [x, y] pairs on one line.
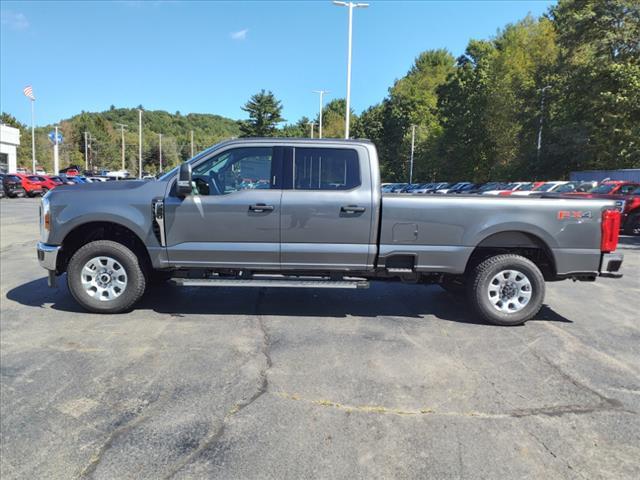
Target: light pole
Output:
{"points": [[122, 127], [351, 6], [191, 143], [56, 153], [413, 143], [139, 143], [160, 149], [543, 90], [321, 92], [86, 152], [311, 124]]}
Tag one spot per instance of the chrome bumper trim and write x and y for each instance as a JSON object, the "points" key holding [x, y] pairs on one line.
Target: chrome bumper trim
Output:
{"points": [[48, 255]]}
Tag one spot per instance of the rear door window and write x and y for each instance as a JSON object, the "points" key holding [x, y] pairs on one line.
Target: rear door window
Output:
{"points": [[326, 169]]}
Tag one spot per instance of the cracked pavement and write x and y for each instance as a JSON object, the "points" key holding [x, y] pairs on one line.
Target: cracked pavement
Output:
{"points": [[398, 381]]}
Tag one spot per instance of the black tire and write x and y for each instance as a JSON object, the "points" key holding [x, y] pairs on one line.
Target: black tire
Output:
{"points": [[453, 284], [479, 283], [632, 225], [136, 282]]}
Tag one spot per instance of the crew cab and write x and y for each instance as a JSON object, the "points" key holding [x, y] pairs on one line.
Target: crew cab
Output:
{"points": [[321, 221]]}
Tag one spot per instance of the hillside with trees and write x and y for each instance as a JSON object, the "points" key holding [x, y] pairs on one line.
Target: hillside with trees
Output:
{"points": [[104, 140]]}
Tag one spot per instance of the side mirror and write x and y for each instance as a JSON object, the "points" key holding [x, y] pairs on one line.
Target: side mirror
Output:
{"points": [[183, 188]]}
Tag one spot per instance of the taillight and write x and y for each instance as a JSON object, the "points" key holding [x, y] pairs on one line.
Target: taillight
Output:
{"points": [[610, 230]]}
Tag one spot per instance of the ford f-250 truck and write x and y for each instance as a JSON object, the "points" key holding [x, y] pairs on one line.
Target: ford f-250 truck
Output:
{"points": [[310, 213]]}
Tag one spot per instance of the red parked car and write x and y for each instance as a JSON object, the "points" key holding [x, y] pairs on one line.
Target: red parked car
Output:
{"points": [[627, 201], [48, 182], [32, 186], [609, 187]]}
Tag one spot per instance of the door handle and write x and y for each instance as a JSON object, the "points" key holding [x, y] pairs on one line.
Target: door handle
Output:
{"points": [[352, 209], [261, 207]]}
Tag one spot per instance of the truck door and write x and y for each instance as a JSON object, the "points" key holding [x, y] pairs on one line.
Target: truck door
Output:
{"points": [[326, 219], [232, 220]]}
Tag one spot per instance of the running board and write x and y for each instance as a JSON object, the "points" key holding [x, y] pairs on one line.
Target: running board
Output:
{"points": [[268, 282]]}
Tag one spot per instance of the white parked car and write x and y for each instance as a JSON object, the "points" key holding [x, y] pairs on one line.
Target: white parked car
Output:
{"points": [[118, 174], [546, 187], [506, 189]]}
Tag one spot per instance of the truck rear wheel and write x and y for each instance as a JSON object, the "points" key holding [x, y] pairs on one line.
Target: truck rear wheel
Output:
{"points": [[105, 277], [506, 289]]}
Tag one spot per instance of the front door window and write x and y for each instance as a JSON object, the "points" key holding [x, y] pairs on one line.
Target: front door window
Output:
{"points": [[238, 169]]}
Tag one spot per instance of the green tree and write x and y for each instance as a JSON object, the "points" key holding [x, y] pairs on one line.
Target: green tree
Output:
{"points": [[596, 118], [265, 112]]}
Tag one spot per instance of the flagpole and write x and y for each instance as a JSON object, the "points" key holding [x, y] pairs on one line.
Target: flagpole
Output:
{"points": [[33, 140]]}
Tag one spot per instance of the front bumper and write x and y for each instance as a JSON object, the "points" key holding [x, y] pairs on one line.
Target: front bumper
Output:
{"points": [[48, 255], [610, 264], [48, 258]]}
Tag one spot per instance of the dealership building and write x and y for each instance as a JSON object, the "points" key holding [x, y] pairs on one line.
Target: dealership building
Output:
{"points": [[9, 143]]}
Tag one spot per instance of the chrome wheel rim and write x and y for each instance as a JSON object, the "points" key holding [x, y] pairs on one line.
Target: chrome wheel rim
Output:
{"points": [[509, 291], [103, 278]]}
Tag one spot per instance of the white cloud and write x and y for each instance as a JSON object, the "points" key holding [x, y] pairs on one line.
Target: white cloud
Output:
{"points": [[14, 20], [240, 34]]}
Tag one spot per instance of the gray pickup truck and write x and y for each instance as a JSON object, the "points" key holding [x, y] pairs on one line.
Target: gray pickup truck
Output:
{"points": [[310, 213]]}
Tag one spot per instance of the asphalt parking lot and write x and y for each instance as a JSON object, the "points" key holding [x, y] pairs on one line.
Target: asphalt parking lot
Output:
{"points": [[398, 381]]}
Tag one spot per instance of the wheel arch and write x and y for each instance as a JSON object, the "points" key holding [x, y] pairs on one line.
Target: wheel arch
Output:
{"points": [[101, 230], [519, 242]]}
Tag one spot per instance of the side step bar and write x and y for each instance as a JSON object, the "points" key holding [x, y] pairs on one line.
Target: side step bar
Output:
{"points": [[269, 282]]}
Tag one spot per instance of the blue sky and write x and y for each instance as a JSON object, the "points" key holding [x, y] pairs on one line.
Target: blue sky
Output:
{"points": [[209, 57]]}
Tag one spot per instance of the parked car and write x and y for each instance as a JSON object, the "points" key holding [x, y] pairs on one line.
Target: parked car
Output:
{"points": [[483, 187], [627, 203], [631, 213], [31, 184], [13, 186], [509, 188], [47, 182], [452, 188], [70, 171], [611, 187], [40, 171], [546, 187], [196, 226], [2, 194], [438, 186], [421, 189]]}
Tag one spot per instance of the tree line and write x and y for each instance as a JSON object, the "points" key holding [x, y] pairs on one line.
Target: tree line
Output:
{"points": [[542, 98]]}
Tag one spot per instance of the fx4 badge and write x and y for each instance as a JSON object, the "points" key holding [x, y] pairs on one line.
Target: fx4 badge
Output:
{"points": [[573, 214]]}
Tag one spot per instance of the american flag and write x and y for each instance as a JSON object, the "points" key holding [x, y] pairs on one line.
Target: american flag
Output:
{"points": [[28, 92]]}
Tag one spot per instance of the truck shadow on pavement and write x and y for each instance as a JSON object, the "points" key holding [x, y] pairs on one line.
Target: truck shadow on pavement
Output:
{"points": [[380, 300]]}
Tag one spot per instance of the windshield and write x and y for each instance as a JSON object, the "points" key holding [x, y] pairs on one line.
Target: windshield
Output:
{"points": [[604, 188]]}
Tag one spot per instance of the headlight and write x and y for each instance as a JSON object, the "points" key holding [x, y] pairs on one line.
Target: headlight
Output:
{"points": [[45, 218]]}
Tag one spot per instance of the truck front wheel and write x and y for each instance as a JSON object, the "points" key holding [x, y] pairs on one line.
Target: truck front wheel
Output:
{"points": [[105, 277], [506, 289]]}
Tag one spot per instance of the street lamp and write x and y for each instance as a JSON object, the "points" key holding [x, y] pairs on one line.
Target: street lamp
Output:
{"points": [[139, 143], [321, 92], [542, 90], [351, 6], [122, 127], [311, 124]]}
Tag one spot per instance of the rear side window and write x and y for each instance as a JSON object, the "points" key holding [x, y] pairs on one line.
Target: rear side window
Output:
{"points": [[326, 169]]}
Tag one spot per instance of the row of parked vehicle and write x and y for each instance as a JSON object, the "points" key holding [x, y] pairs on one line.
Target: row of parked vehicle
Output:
{"points": [[15, 185], [625, 193]]}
